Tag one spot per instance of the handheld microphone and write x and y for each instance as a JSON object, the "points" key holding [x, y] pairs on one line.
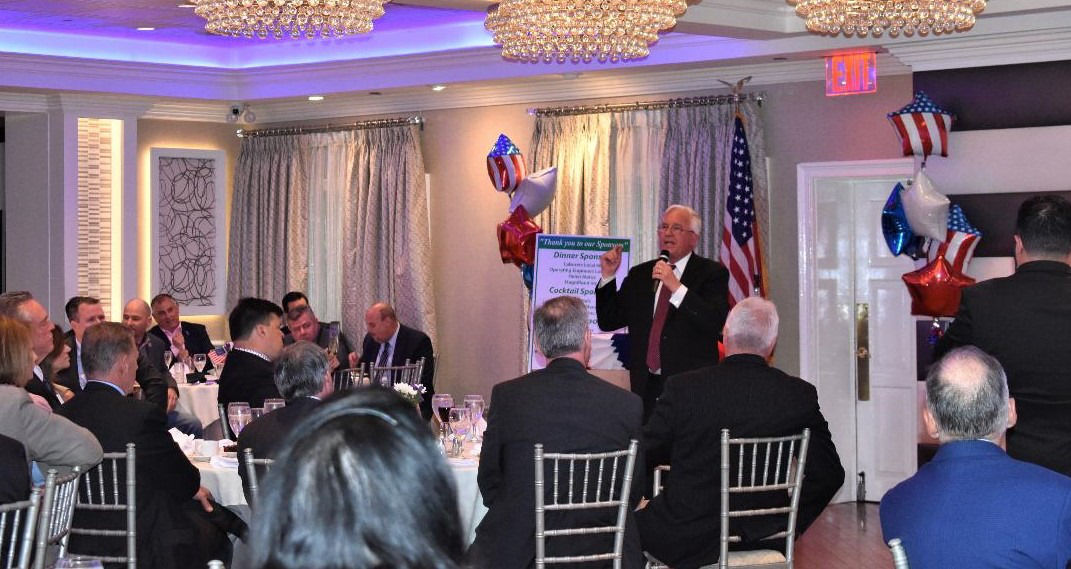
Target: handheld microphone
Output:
{"points": [[662, 256]]}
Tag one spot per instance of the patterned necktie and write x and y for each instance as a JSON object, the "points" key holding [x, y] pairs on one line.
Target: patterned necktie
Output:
{"points": [[654, 340], [382, 361]]}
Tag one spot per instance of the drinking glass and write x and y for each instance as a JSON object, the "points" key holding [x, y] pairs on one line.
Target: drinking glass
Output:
{"points": [[78, 562], [475, 404], [169, 358], [459, 419], [238, 416], [257, 412], [273, 404], [199, 361], [442, 402]]}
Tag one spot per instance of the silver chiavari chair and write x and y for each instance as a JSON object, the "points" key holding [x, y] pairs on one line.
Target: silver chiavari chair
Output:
{"points": [[604, 484], [409, 373], [224, 424], [18, 521], [346, 379], [251, 474], [899, 556], [57, 509], [111, 487]]}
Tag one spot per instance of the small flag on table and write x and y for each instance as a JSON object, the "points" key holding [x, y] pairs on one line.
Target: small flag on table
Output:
{"points": [[219, 355], [739, 246]]}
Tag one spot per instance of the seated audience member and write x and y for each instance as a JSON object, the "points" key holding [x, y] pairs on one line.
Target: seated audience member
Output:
{"points": [[359, 484], [391, 343], [56, 361], [305, 327], [303, 379], [292, 300], [50, 440], [247, 377], [184, 339], [567, 410], [973, 505], [681, 526], [84, 312], [137, 317], [174, 528], [22, 306], [14, 472]]}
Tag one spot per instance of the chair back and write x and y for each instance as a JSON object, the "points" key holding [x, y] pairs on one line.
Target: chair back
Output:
{"points": [[251, 465], [346, 379], [387, 376], [899, 556], [598, 476], [761, 465], [111, 487], [57, 509], [224, 425], [18, 521]]}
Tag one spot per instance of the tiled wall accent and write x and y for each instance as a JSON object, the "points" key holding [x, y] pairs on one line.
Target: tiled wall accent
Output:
{"points": [[95, 147]]}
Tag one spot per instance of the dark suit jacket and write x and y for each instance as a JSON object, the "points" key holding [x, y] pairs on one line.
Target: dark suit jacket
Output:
{"points": [[974, 506], [248, 378], [412, 344], [153, 383], [691, 333], [14, 471], [567, 410], [195, 336], [41, 389], [266, 434], [166, 480], [1025, 322], [681, 525]]}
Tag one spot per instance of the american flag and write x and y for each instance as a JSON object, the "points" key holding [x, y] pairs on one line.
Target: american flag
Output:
{"points": [[219, 355], [739, 244], [505, 165], [923, 127], [961, 240]]}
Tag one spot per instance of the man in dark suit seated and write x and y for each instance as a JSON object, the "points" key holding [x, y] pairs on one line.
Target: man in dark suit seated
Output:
{"points": [[1024, 321], [391, 343], [14, 471], [303, 379], [567, 410], [22, 306], [84, 312], [247, 377], [681, 526], [304, 326], [177, 523], [674, 310], [973, 505], [184, 339]]}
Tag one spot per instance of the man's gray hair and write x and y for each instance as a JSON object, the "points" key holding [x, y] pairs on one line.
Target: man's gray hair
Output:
{"points": [[967, 393], [11, 305], [102, 345], [560, 326], [751, 326], [697, 222], [300, 370]]}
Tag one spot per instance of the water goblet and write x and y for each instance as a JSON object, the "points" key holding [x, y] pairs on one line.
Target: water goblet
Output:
{"points": [[475, 405], [199, 362], [238, 416]]}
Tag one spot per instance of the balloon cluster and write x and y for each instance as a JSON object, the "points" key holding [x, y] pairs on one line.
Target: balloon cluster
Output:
{"points": [[919, 218], [529, 196]]}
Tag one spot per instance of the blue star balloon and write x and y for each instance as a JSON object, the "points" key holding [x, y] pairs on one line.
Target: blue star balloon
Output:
{"points": [[894, 225]]}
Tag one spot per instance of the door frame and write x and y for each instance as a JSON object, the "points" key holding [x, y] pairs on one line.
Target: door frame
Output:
{"points": [[808, 175]]}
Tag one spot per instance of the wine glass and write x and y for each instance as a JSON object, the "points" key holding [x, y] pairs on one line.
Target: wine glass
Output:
{"points": [[238, 416], [273, 404], [258, 412], [78, 562], [458, 418], [169, 358], [199, 362], [475, 405], [442, 402]]}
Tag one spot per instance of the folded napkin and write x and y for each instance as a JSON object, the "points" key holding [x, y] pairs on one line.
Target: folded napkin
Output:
{"points": [[224, 462], [185, 442]]}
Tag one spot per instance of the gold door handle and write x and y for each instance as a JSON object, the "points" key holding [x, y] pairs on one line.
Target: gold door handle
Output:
{"points": [[862, 351]]}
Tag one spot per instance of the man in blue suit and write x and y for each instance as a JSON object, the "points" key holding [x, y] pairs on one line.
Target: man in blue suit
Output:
{"points": [[973, 505]]}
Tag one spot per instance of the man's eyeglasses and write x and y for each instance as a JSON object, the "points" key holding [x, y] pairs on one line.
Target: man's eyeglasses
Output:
{"points": [[675, 228]]}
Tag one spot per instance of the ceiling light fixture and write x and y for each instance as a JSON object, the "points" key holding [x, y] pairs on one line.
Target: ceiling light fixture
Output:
{"points": [[145, 29], [316, 98], [438, 88], [874, 17], [570, 30], [296, 19]]}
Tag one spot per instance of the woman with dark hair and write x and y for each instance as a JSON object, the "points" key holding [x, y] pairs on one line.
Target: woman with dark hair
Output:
{"points": [[56, 361], [359, 484]]}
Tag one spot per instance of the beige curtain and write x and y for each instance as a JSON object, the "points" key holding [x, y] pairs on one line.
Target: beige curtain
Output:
{"points": [[580, 147]]}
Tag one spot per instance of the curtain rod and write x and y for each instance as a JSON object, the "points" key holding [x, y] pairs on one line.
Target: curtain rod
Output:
{"points": [[377, 123], [637, 106]]}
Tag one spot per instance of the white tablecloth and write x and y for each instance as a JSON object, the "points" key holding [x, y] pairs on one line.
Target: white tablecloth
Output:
{"points": [[226, 486], [199, 400]]}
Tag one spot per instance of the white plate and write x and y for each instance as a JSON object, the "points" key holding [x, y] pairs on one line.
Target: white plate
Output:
{"points": [[199, 458]]}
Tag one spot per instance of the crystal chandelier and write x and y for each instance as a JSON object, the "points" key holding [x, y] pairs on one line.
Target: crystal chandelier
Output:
{"points": [[289, 18], [580, 30], [873, 17]]}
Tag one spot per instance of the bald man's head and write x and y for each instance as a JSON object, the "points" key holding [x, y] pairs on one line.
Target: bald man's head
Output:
{"points": [[967, 396], [138, 317]]}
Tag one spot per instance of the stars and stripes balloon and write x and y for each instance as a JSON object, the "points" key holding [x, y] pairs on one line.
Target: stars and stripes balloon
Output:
{"points": [[923, 127], [505, 165], [961, 240]]}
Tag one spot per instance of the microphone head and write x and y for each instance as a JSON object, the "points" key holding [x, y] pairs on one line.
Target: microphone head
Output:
{"points": [[663, 255]]}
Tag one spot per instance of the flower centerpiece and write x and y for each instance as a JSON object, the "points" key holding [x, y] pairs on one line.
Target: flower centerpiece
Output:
{"points": [[414, 394]]}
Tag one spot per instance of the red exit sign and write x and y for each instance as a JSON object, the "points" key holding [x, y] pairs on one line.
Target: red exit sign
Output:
{"points": [[851, 74]]}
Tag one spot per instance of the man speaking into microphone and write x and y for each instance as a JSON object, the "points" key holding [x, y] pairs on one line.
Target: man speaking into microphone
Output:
{"points": [[674, 306]]}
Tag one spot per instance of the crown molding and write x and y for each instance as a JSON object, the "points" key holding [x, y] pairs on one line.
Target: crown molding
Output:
{"points": [[980, 51]]}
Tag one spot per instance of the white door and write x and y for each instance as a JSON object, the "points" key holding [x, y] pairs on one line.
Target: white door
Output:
{"points": [[857, 335]]}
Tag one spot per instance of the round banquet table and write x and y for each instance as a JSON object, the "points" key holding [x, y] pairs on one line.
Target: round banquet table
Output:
{"points": [[226, 487], [199, 400]]}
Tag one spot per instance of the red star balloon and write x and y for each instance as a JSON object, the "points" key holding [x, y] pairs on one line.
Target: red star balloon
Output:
{"points": [[517, 237], [935, 289]]}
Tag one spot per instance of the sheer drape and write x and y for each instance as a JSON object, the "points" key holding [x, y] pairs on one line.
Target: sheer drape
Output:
{"points": [[580, 147], [342, 216], [637, 139]]}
